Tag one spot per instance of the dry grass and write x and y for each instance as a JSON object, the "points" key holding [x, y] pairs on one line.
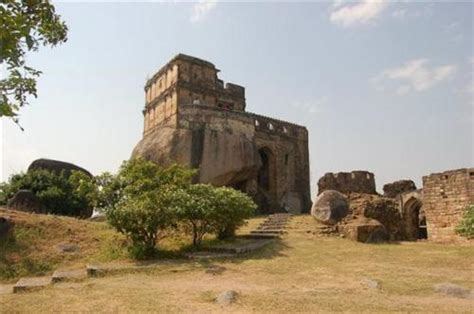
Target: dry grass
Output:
{"points": [[34, 248], [302, 273]]}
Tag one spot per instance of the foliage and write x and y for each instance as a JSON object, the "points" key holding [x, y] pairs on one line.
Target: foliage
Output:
{"points": [[466, 227], [140, 201], [196, 210], [233, 208], [58, 193], [205, 209], [26, 25]]}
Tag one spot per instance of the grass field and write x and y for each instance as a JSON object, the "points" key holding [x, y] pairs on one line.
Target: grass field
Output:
{"points": [[301, 273]]}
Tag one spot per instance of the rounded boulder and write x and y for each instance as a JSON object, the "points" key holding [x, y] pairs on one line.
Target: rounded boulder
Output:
{"points": [[330, 207]]}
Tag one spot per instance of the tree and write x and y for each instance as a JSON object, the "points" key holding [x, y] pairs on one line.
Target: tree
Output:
{"points": [[58, 193], [25, 26], [141, 200], [196, 210], [466, 226], [144, 219], [233, 208]]}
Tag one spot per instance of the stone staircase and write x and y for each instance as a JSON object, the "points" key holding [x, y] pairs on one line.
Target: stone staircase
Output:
{"points": [[272, 227]]}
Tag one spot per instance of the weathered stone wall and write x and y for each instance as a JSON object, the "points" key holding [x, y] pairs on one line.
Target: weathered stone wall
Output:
{"points": [[395, 188], [348, 182], [195, 120], [445, 195]]}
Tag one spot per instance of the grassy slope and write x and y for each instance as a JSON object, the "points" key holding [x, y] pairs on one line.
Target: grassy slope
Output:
{"points": [[34, 250], [301, 273]]}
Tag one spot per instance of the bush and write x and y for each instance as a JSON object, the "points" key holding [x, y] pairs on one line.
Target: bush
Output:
{"points": [[59, 194], [466, 227], [140, 201], [205, 209], [233, 208]]}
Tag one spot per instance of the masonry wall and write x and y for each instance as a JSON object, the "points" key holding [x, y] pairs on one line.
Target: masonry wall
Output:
{"points": [[347, 182], [445, 195]]}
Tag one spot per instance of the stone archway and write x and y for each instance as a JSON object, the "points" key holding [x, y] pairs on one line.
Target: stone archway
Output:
{"points": [[266, 180], [415, 219]]}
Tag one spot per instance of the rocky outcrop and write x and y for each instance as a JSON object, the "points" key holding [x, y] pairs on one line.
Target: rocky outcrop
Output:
{"points": [[395, 188], [365, 230], [348, 182], [330, 207], [223, 158], [26, 201], [56, 166]]}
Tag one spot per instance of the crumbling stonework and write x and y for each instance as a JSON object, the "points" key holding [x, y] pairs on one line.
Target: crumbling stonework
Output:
{"points": [[445, 195], [192, 118], [348, 182], [395, 188]]}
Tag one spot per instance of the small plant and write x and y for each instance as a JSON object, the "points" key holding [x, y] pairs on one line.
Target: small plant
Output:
{"points": [[466, 227]]}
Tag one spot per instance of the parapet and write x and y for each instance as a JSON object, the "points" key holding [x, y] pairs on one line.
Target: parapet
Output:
{"points": [[348, 182]]}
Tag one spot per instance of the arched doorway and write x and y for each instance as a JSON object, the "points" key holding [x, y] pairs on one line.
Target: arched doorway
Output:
{"points": [[415, 220], [266, 180]]}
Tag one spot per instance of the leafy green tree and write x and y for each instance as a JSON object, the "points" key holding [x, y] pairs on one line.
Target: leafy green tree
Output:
{"points": [[232, 209], [25, 26], [140, 201], [196, 210], [59, 193], [466, 227], [144, 219]]}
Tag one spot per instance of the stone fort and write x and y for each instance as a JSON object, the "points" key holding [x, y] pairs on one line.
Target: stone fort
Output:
{"points": [[192, 118]]}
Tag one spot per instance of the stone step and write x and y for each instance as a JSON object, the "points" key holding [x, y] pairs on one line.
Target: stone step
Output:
{"points": [[246, 248], [270, 228], [69, 275], [261, 236], [268, 231], [31, 284]]}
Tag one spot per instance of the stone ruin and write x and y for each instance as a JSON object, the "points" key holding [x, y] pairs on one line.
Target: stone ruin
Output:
{"points": [[403, 212], [192, 118]]}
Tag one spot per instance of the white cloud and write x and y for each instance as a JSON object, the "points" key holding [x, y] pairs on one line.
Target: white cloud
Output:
{"points": [[400, 13], [361, 12], [415, 75], [201, 9]]}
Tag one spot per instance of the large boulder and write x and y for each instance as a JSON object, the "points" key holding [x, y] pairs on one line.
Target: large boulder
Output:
{"points": [[365, 230], [26, 201], [222, 157], [56, 166], [330, 207], [395, 188]]}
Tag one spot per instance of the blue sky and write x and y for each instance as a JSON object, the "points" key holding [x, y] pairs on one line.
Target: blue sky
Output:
{"points": [[382, 86]]}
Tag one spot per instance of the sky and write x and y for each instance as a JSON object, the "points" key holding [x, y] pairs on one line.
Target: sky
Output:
{"points": [[381, 86]]}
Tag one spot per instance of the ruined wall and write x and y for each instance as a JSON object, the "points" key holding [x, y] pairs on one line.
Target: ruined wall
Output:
{"points": [[347, 182], [445, 195], [395, 188], [288, 145], [193, 118]]}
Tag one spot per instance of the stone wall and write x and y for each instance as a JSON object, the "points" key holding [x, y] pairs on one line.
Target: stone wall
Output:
{"points": [[445, 195], [395, 188], [348, 182], [193, 118]]}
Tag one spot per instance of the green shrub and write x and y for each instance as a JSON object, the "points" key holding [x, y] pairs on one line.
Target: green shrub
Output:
{"points": [[233, 208], [204, 209], [60, 194], [466, 227], [140, 202]]}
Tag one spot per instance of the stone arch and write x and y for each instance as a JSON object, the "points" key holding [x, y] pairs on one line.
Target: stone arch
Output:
{"points": [[266, 178], [414, 218]]}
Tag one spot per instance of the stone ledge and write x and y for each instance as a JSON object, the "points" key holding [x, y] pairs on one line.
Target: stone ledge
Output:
{"points": [[31, 284]]}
